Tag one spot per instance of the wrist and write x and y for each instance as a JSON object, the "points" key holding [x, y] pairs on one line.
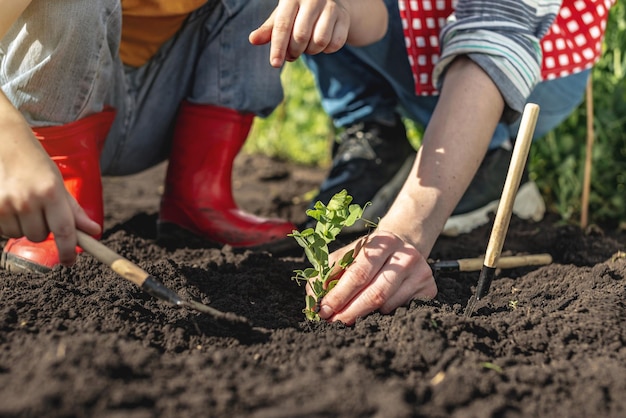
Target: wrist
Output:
{"points": [[416, 223], [368, 21]]}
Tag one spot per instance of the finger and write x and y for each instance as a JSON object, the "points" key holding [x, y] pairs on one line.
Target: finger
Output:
{"points": [[340, 36], [84, 222], [284, 17], [322, 36], [60, 219], [417, 281], [34, 226], [383, 286], [404, 274], [263, 34], [302, 31], [10, 226], [9, 222], [356, 277], [391, 298], [289, 58], [414, 287], [330, 32]]}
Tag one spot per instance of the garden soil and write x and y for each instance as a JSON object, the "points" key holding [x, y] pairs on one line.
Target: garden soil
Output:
{"points": [[547, 341]]}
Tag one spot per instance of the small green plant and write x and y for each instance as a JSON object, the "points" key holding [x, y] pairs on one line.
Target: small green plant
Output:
{"points": [[618, 255], [331, 219], [513, 304], [490, 366]]}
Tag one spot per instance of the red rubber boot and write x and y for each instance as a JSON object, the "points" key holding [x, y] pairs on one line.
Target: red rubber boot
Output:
{"points": [[198, 191], [75, 148]]}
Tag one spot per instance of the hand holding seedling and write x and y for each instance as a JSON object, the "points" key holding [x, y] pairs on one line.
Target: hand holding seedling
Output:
{"points": [[387, 273], [378, 272], [324, 275]]}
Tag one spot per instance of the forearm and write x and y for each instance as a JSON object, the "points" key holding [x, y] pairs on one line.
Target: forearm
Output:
{"points": [[16, 137], [368, 21], [453, 146], [9, 116], [11, 9]]}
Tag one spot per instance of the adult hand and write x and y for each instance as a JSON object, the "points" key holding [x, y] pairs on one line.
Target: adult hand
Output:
{"points": [[390, 270], [299, 27], [386, 273], [33, 198]]}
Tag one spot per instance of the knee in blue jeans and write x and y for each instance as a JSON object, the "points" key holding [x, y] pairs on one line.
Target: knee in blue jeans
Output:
{"points": [[55, 57]]}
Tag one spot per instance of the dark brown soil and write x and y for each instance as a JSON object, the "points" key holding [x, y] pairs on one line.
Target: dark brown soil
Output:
{"points": [[80, 341]]}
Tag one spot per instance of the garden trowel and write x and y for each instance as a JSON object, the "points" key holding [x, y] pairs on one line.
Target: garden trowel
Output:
{"points": [[148, 283], [505, 206], [476, 264]]}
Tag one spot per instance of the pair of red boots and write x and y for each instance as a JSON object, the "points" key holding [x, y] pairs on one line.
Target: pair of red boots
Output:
{"points": [[198, 191]]}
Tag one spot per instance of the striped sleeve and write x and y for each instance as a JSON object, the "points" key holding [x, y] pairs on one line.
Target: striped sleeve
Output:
{"points": [[502, 37]]}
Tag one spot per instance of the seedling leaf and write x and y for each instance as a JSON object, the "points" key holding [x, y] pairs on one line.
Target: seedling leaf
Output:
{"points": [[355, 214], [331, 219], [347, 259]]}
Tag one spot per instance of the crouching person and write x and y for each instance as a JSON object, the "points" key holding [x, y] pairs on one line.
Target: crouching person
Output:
{"points": [[112, 87]]}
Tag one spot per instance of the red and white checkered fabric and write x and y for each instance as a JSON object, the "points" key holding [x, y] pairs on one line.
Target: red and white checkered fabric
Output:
{"points": [[573, 43]]}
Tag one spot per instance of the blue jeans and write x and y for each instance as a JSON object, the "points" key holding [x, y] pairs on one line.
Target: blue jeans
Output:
{"points": [[373, 83], [60, 62]]}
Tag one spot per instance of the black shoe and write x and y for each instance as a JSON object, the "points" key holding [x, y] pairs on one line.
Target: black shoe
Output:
{"points": [[366, 157], [483, 195]]}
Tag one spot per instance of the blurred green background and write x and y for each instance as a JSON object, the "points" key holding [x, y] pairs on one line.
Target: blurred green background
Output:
{"points": [[301, 132]]}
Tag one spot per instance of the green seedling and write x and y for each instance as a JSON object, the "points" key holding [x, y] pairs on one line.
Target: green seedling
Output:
{"points": [[618, 255], [331, 219], [490, 366]]}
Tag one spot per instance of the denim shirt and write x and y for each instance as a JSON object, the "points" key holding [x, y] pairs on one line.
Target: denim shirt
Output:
{"points": [[233, 6]]}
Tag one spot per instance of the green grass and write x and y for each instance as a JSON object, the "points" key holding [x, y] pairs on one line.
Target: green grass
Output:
{"points": [[300, 131]]}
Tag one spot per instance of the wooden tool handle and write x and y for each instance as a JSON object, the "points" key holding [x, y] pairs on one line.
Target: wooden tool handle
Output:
{"points": [[510, 262], [511, 185], [584, 206], [116, 262]]}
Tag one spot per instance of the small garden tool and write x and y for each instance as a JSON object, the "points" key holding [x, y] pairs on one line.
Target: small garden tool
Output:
{"points": [[148, 283], [505, 206]]}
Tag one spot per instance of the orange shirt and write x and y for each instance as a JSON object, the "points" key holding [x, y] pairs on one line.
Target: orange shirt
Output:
{"points": [[147, 24]]}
